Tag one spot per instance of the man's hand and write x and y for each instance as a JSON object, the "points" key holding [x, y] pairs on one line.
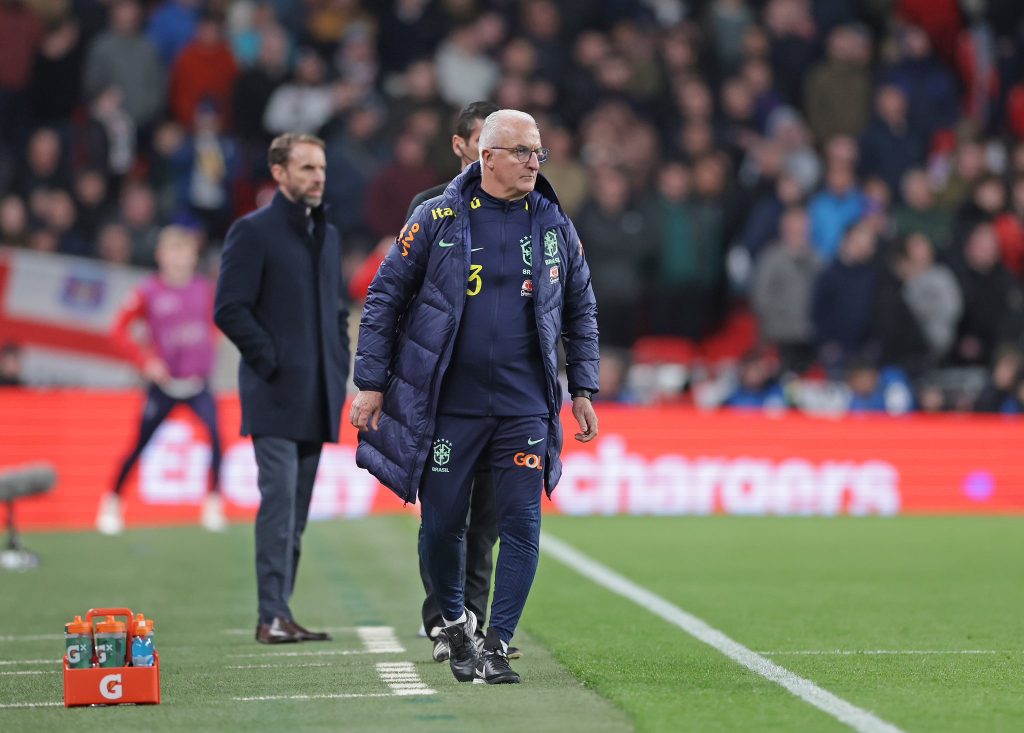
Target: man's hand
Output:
{"points": [[155, 371], [366, 409], [583, 411]]}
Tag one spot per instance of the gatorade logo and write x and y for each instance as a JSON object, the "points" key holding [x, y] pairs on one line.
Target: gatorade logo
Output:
{"points": [[111, 688], [74, 655], [527, 459]]}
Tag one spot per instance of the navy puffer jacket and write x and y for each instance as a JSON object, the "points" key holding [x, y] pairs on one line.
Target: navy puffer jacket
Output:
{"points": [[412, 315]]}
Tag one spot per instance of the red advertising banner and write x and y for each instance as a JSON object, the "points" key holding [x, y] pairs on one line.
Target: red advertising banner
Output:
{"points": [[646, 461]]}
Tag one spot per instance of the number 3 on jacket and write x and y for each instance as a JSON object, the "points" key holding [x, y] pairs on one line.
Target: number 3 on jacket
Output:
{"points": [[475, 282]]}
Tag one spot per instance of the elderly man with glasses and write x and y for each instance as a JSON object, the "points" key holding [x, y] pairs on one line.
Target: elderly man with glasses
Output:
{"points": [[458, 361]]}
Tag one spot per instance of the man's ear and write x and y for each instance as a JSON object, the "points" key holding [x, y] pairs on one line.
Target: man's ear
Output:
{"points": [[277, 173]]}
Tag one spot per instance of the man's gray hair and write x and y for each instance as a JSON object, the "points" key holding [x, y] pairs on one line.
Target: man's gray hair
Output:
{"points": [[498, 125]]}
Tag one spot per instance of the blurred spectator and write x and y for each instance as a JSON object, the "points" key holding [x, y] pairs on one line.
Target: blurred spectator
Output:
{"points": [[10, 365], [356, 152], [246, 25], [899, 335], [303, 104], [992, 300], [114, 244], [842, 304], [204, 72], [106, 139], [787, 128], [613, 376], [209, 161], [932, 293], [878, 390], [838, 90], [1009, 228], [139, 215], [794, 45], [20, 34], [999, 392], [92, 198], [464, 70], [918, 211], [783, 285], [563, 169], [409, 30], [253, 89], [172, 25], [727, 21], [122, 57], [835, 209], [45, 165], [762, 225], [56, 86], [969, 167], [929, 86], [14, 227], [617, 239], [986, 203], [58, 214], [758, 383], [390, 191], [890, 146]]}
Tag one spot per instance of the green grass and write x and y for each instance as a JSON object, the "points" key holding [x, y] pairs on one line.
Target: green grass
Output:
{"points": [[593, 660]]}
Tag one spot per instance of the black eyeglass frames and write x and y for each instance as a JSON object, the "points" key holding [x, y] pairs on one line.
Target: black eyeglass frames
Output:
{"points": [[523, 153]]}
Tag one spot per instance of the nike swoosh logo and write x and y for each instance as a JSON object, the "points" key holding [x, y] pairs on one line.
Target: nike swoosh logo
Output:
{"points": [[531, 441], [476, 249], [443, 243]]}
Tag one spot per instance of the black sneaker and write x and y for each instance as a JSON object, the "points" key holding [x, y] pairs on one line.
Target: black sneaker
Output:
{"points": [[492, 667], [514, 652], [462, 652], [440, 642]]}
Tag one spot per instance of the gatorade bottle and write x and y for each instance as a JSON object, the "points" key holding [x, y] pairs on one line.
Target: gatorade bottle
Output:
{"points": [[78, 643], [142, 641], [110, 642]]}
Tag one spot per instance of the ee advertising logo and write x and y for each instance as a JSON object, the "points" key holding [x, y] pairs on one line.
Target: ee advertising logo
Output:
{"points": [[111, 687]]}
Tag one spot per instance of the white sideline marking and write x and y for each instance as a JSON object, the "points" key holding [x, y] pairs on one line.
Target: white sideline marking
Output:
{"points": [[402, 678], [30, 671], [380, 640], [250, 632], [32, 637], [843, 711], [336, 653], [335, 696], [857, 652], [9, 662], [8, 705], [276, 666]]}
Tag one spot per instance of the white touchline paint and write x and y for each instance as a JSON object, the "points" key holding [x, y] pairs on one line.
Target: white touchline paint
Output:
{"points": [[250, 632], [380, 640], [32, 637], [30, 671], [329, 696], [9, 662], [867, 652], [402, 678], [276, 666], [843, 711], [335, 653], [9, 705]]}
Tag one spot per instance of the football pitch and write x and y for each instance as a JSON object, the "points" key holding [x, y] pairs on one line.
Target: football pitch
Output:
{"points": [[634, 623]]}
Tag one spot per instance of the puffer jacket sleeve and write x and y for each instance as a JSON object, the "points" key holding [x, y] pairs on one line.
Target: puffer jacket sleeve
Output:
{"points": [[579, 319], [396, 282]]}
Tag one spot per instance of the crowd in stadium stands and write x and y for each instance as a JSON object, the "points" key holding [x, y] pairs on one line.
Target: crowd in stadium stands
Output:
{"points": [[849, 172]]}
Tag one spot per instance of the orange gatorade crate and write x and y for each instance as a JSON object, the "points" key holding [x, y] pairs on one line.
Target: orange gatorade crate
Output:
{"points": [[112, 685]]}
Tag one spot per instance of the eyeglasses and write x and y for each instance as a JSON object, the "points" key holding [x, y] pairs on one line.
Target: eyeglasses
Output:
{"points": [[523, 153]]}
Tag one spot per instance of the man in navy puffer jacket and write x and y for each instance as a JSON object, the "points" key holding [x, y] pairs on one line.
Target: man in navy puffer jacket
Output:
{"points": [[458, 360]]}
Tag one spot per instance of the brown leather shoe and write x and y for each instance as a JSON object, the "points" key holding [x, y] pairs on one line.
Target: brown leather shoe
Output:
{"points": [[278, 631], [304, 634]]}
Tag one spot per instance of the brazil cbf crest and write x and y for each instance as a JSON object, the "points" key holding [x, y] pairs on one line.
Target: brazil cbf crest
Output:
{"points": [[442, 454], [526, 244], [550, 243]]}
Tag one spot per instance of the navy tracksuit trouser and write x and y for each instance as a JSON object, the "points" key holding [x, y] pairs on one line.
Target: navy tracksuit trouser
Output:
{"points": [[513, 448]]}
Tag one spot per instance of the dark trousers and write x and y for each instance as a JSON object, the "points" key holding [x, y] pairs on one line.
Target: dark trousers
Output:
{"points": [[513, 448], [481, 534], [158, 406], [286, 470]]}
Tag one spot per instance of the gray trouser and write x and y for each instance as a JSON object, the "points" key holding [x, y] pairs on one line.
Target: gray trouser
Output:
{"points": [[286, 471]]}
